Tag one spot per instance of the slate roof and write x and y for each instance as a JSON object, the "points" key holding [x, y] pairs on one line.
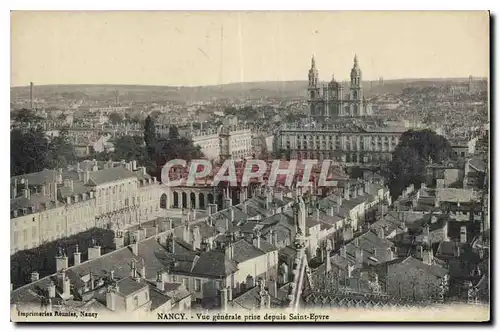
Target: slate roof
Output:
{"points": [[110, 175], [435, 270], [78, 188], [128, 286], [478, 164], [251, 299], [35, 200], [39, 178], [455, 195]]}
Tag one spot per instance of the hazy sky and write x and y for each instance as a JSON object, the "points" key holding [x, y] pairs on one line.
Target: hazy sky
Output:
{"points": [[184, 48]]}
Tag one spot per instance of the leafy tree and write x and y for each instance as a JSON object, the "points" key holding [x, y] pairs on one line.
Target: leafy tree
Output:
{"points": [[173, 133], [29, 151], [115, 118], [150, 136], [130, 148], [416, 149], [62, 152], [26, 116]]}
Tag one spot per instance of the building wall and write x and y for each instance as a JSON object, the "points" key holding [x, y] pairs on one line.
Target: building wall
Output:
{"points": [[137, 300], [255, 267], [339, 146], [74, 216]]}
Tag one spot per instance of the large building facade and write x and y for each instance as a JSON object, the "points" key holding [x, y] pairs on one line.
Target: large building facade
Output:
{"points": [[53, 204], [330, 101], [342, 142], [226, 143]]}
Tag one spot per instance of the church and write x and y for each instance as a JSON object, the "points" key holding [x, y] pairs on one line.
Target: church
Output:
{"points": [[329, 100]]}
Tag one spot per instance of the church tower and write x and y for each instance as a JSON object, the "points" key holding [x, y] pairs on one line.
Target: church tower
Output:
{"points": [[356, 95], [313, 89]]}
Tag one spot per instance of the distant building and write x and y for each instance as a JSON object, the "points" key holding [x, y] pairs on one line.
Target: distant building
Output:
{"points": [[355, 143], [329, 100]]}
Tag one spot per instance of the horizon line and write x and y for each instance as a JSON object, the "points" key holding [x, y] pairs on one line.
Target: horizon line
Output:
{"points": [[247, 82]]}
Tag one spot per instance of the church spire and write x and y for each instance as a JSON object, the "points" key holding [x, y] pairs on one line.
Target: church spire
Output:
{"points": [[313, 74], [355, 60]]}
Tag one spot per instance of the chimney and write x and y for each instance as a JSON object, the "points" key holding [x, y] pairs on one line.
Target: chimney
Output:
{"points": [[256, 242], [317, 214], [119, 240], [77, 256], [426, 231], [31, 97], [227, 202], [61, 261], [51, 290], [133, 270], [35, 276], [26, 193], [86, 177], [343, 253], [273, 288], [428, 256], [463, 234], [249, 282], [381, 233], [359, 257], [223, 298], [231, 214], [331, 211], [159, 281], [228, 251], [420, 252], [134, 246], [66, 287], [328, 261], [111, 298], [94, 252]]}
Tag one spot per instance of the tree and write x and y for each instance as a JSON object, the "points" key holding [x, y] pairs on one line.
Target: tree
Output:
{"points": [[415, 150], [130, 148], [29, 151], [150, 136], [115, 118], [173, 133], [26, 116], [62, 152]]}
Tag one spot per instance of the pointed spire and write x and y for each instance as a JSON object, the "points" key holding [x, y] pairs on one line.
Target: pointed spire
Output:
{"points": [[355, 60], [333, 78], [313, 62]]}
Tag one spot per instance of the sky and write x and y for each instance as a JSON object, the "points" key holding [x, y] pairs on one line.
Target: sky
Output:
{"points": [[211, 48]]}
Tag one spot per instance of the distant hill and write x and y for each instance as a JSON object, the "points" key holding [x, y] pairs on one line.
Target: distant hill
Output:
{"points": [[250, 90]]}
